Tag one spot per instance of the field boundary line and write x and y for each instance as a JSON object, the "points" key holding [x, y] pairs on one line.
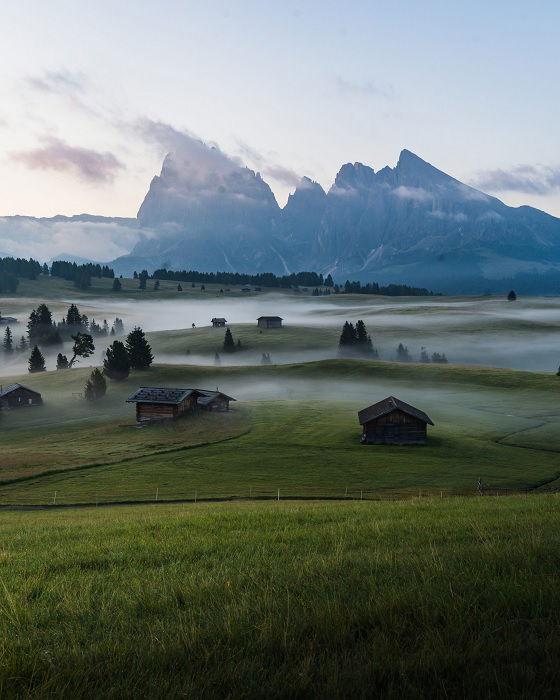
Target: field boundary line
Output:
{"points": [[184, 448]]}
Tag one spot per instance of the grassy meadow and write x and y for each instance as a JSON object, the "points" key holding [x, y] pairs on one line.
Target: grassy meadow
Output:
{"points": [[293, 428], [422, 598]]}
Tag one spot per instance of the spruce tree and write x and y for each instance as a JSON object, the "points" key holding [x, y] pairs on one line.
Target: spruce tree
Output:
{"points": [[179, 288], [117, 286], [347, 342], [138, 349], [402, 353], [512, 296], [116, 364], [156, 285], [229, 345], [96, 386], [22, 345], [61, 361], [141, 283], [36, 361], [8, 341]]}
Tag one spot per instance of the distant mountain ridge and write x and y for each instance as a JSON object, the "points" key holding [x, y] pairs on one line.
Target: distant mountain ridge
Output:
{"points": [[410, 224]]}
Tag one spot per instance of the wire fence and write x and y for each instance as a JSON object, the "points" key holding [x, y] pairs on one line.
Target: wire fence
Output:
{"points": [[156, 494]]}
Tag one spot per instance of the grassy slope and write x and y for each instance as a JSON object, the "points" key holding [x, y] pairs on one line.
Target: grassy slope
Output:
{"points": [[502, 425], [414, 599]]}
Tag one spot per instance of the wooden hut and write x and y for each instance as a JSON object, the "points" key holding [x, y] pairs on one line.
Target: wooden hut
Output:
{"points": [[213, 400], [219, 322], [393, 422], [154, 404], [19, 396], [269, 322]]}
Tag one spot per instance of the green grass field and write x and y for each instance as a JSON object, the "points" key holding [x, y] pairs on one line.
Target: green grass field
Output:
{"points": [[294, 428], [416, 599]]}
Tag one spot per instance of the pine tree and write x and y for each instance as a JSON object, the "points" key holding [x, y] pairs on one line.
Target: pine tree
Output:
{"points": [[179, 288], [45, 270], [348, 337], [402, 353], [117, 286], [141, 283], [135, 275], [229, 345], [116, 364], [83, 347], [96, 386], [424, 357], [156, 285], [61, 361], [512, 296], [22, 345], [73, 318], [329, 281], [202, 287], [138, 349], [36, 361], [8, 341], [118, 326]]}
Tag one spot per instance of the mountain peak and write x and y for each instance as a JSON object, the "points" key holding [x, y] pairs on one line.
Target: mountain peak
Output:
{"points": [[354, 176]]}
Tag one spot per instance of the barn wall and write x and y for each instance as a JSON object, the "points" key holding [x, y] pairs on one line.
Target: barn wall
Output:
{"points": [[263, 323], [20, 398], [155, 411], [395, 428]]}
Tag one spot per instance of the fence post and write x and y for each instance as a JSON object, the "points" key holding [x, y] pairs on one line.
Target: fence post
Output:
{"points": [[157, 494], [278, 494], [346, 493], [54, 498], [361, 495], [195, 495]]}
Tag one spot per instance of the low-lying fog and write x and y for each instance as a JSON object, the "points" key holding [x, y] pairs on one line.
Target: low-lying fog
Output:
{"points": [[524, 334]]}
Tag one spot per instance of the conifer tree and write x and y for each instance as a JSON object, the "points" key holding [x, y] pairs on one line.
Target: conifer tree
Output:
{"points": [[61, 361], [229, 345], [36, 361], [22, 345], [141, 283], [117, 286], [138, 349], [116, 364], [8, 341], [179, 288], [329, 281], [217, 360], [156, 285], [512, 296], [402, 353], [347, 342], [83, 347], [96, 386], [118, 326]]}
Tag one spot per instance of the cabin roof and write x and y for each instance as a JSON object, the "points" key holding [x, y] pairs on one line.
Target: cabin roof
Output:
{"points": [[209, 396], [219, 319], [151, 394], [388, 405], [270, 318], [14, 387]]}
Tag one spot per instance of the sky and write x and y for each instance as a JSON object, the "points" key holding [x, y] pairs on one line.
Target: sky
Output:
{"points": [[290, 88]]}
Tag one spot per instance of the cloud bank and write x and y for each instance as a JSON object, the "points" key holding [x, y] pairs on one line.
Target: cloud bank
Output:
{"points": [[85, 163], [528, 179]]}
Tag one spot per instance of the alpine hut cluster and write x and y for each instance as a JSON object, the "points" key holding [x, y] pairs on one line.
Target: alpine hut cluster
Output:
{"points": [[393, 422], [158, 403]]}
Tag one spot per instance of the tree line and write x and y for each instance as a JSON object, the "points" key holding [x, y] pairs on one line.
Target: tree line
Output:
{"points": [[13, 268], [263, 279]]}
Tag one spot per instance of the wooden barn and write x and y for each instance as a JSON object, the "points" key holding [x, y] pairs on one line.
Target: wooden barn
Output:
{"points": [[219, 322], [19, 396], [269, 322], [393, 422], [213, 400], [153, 404]]}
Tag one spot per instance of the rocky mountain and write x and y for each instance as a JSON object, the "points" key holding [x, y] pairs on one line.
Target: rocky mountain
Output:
{"points": [[409, 224]]}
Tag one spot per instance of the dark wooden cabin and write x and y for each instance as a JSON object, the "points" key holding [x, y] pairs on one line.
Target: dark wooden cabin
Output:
{"points": [[219, 322], [154, 404], [213, 400], [269, 322], [393, 422], [19, 396]]}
